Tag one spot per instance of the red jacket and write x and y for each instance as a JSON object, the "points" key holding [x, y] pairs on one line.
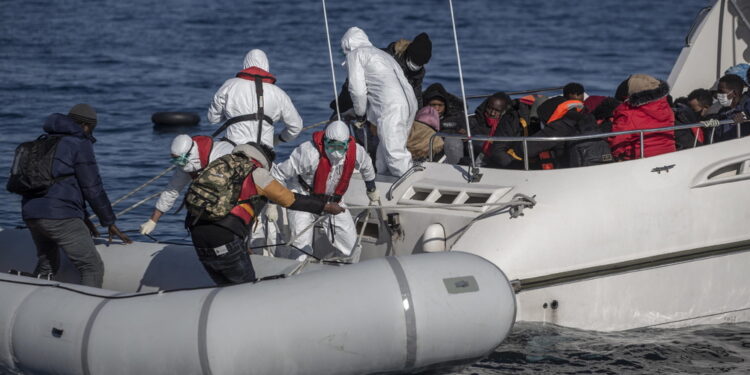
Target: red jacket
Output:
{"points": [[656, 114]]}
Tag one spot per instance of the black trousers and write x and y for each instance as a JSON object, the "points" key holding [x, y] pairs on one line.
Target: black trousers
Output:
{"points": [[222, 253]]}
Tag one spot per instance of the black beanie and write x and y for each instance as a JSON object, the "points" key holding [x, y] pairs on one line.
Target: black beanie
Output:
{"points": [[83, 113], [420, 50]]}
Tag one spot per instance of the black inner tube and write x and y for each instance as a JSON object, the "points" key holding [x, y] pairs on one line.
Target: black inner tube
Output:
{"points": [[175, 119]]}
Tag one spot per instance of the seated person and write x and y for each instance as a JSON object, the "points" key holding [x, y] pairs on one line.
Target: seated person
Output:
{"points": [[646, 108], [425, 125], [735, 106], [494, 117], [573, 91], [698, 103], [562, 118], [450, 110]]}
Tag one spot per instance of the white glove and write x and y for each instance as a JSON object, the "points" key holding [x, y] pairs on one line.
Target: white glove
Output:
{"points": [[712, 123], [374, 195], [272, 212], [277, 139], [359, 122], [148, 227]]}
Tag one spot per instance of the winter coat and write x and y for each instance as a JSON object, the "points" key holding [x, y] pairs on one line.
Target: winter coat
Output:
{"points": [[509, 126], [397, 49], [686, 138], [419, 141], [380, 91], [453, 118], [237, 97], [67, 198], [643, 110]]}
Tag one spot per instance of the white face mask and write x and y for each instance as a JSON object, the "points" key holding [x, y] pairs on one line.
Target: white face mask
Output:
{"points": [[412, 66], [335, 156], [724, 99], [193, 165]]}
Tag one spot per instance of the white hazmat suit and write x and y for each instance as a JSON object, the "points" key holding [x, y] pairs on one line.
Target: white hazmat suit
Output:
{"points": [[380, 91], [237, 97], [303, 162], [182, 144]]}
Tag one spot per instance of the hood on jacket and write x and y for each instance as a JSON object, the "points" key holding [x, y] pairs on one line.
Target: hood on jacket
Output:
{"points": [[58, 123], [256, 58], [644, 89], [354, 38], [252, 150]]}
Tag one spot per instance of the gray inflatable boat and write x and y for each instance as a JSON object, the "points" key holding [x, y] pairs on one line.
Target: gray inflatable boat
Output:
{"points": [[159, 314]]}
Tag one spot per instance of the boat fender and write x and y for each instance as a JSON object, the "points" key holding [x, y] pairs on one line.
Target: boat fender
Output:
{"points": [[433, 239], [175, 119]]}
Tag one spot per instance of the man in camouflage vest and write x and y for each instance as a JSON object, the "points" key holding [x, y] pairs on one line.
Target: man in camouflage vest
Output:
{"points": [[223, 201]]}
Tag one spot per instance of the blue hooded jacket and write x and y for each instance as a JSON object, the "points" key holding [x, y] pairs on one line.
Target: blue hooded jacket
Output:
{"points": [[67, 198]]}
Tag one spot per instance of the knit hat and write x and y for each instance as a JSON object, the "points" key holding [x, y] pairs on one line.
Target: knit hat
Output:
{"points": [[420, 50], [740, 70], [83, 113], [641, 82], [429, 116]]}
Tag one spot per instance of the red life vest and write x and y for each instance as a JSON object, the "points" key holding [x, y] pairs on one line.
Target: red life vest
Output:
{"points": [[205, 146], [245, 210], [254, 72], [324, 167]]}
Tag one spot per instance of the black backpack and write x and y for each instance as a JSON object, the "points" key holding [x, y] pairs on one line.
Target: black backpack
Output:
{"points": [[31, 173]]}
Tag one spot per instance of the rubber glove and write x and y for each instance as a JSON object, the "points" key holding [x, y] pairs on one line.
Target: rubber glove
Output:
{"points": [[712, 123], [148, 227], [374, 195], [272, 212]]}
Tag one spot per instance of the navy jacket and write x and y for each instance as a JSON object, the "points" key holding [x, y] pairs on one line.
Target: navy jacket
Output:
{"points": [[67, 198]]}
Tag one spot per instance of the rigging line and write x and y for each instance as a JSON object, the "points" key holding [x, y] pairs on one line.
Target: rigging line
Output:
{"points": [[139, 188], [330, 58], [515, 202], [140, 202], [473, 168]]}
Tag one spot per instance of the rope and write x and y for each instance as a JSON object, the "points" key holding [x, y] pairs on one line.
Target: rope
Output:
{"points": [[140, 202], [518, 200], [139, 188], [315, 125], [330, 58]]}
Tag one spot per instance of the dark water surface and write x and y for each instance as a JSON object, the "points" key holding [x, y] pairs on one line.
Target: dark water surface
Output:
{"points": [[132, 58]]}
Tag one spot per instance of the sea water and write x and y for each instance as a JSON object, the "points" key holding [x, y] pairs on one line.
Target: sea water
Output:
{"points": [[130, 59]]}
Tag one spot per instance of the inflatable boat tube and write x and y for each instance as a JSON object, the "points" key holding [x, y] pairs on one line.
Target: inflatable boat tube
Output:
{"points": [[426, 312], [175, 119]]}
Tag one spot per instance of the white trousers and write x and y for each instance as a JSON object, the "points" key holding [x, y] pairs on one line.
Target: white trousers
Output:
{"points": [[339, 230]]}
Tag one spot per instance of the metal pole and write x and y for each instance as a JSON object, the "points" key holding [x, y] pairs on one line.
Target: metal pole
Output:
{"points": [[473, 171], [643, 147], [330, 58]]}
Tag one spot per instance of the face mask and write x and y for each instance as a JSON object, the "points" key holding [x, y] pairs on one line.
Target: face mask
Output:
{"points": [[336, 149], [412, 66], [724, 99], [194, 165], [181, 160]]}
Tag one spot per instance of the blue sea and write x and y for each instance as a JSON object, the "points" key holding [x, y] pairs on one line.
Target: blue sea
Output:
{"points": [[132, 58]]}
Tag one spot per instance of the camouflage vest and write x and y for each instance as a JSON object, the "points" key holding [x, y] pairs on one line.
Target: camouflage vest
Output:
{"points": [[216, 190]]}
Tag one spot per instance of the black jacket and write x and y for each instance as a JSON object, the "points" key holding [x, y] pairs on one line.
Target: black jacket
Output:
{"points": [[509, 126], [67, 198], [453, 118]]}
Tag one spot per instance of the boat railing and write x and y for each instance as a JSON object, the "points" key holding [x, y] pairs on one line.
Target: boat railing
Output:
{"points": [[525, 140]]}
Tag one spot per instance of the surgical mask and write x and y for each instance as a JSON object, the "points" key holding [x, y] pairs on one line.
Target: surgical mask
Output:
{"points": [[724, 99], [193, 165], [412, 66]]}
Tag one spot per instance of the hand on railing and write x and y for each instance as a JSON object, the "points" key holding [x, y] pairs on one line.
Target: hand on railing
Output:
{"points": [[712, 123]]}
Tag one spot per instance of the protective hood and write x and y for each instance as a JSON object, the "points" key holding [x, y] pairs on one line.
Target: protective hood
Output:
{"points": [[256, 58], [183, 144], [252, 151], [354, 38], [338, 131]]}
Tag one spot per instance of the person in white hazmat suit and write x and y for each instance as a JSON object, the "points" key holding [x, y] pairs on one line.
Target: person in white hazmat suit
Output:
{"points": [[382, 95], [190, 155], [324, 166], [238, 97]]}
